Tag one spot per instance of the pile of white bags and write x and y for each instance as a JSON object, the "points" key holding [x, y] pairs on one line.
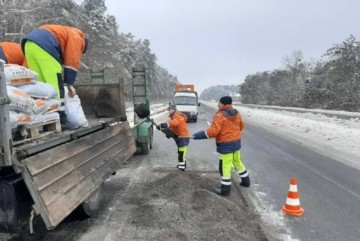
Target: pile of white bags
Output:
{"points": [[19, 75], [31, 102], [39, 90]]}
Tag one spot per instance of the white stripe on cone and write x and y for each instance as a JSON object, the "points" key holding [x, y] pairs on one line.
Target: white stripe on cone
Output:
{"points": [[293, 188], [293, 202]]}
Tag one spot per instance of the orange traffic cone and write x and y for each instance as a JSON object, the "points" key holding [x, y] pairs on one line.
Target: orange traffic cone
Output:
{"points": [[292, 205]]}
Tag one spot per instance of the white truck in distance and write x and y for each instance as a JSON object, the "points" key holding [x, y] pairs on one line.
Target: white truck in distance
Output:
{"points": [[186, 101]]}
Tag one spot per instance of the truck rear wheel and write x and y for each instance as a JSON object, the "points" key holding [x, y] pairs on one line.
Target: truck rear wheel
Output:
{"points": [[151, 138], [90, 206], [145, 147]]}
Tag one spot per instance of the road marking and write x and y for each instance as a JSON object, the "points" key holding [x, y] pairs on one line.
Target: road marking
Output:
{"points": [[320, 174]]}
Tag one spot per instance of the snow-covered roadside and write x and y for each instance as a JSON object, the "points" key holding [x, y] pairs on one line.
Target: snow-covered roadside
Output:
{"points": [[156, 110], [333, 137], [337, 138]]}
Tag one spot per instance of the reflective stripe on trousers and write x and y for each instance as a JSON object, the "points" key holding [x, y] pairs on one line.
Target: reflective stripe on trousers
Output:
{"points": [[225, 164], [182, 151]]}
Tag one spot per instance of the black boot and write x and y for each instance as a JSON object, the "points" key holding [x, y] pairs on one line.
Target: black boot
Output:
{"points": [[62, 115], [181, 167], [63, 121], [245, 181], [224, 190]]}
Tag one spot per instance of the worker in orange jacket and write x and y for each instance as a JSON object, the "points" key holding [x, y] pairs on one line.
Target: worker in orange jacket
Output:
{"points": [[54, 52], [177, 125], [226, 128], [11, 53]]}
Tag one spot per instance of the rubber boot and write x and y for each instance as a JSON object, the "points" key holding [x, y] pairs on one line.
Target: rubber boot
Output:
{"points": [[224, 190], [245, 181], [181, 167]]}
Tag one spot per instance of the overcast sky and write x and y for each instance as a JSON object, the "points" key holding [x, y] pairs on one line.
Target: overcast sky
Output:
{"points": [[212, 42]]}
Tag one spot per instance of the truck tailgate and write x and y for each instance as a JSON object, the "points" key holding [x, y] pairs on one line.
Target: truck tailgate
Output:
{"points": [[61, 178]]}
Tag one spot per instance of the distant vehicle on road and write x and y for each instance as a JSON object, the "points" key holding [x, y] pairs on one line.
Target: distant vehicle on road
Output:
{"points": [[186, 100]]}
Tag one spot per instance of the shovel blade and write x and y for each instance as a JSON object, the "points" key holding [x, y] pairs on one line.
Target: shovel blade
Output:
{"points": [[142, 111]]}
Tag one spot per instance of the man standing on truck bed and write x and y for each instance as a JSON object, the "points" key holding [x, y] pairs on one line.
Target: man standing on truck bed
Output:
{"points": [[11, 53], [226, 127], [52, 48]]}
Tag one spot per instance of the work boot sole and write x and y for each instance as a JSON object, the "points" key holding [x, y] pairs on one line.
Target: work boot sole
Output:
{"points": [[218, 191], [245, 182], [182, 169]]}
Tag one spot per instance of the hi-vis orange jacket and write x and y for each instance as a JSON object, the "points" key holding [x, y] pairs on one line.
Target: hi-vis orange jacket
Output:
{"points": [[65, 44], [177, 124], [11, 53], [226, 128]]}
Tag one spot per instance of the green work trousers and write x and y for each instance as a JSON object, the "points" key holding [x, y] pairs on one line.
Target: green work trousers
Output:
{"points": [[46, 66], [225, 164]]}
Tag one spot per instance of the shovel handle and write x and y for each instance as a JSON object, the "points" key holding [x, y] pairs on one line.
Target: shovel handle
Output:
{"points": [[148, 118], [186, 137]]}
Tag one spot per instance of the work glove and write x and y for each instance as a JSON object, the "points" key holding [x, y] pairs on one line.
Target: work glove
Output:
{"points": [[200, 135], [163, 125], [171, 135], [71, 91]]}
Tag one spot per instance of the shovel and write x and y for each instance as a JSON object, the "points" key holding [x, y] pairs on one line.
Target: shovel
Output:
{"points": [[143, 112]]}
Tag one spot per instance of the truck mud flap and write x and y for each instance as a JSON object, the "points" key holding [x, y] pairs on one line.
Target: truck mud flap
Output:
{"points": [[61, 178], [15, 202], [8, 204]]}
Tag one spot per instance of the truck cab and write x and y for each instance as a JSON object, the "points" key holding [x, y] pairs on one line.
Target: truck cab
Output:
{"points": [[186, 101]]}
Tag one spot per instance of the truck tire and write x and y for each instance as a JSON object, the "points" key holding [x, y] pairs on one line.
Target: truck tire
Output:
{"points": [[90, 206], [151, 138], [195, 120], [145, 147]]}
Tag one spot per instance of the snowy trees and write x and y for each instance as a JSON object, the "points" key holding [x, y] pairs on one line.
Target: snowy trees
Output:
{"points": [[108, 49], [343, 72], [215, 92], [330, 84]]}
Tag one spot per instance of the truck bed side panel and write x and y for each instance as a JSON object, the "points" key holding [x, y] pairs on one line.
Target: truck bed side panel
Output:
{"points": [[61, 178], [102, 100]]}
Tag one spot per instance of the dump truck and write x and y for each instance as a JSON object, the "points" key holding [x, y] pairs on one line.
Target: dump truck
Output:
{"points": [[186, 100], [55, 172]]}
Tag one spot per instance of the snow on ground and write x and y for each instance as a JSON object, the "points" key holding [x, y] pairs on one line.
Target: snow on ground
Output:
{"points": [[334, 137], [155, 111]]}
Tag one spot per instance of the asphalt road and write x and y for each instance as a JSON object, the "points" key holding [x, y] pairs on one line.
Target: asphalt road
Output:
{"points": [[150, 199], [329, 190], [329, 193]]}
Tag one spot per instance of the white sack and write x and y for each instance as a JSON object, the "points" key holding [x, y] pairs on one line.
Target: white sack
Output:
{"points": [[39, 106], [75, 116], [42, 118], [19, 100], [39, 90], [52, 105], [19, 75], [19, 118]]}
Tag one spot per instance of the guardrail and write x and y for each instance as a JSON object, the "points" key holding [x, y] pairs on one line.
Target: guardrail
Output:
{"points": [[331, 113]]}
